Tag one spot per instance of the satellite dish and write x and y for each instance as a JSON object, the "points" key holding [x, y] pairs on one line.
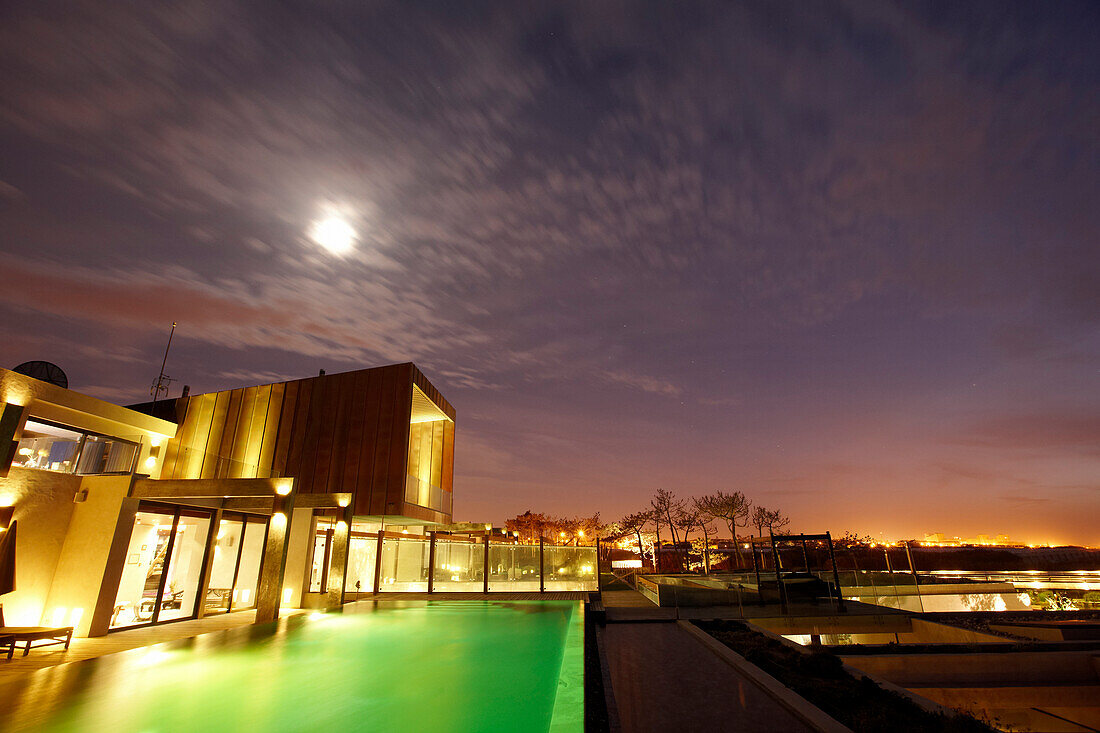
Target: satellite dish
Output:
{"points": [[45, 370]]}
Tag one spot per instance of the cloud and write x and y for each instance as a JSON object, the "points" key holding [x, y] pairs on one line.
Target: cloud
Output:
{"points": [[645, 383], [1069, 432]]}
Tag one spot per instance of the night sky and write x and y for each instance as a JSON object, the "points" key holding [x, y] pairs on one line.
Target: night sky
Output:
{"points": [[844, 257]]}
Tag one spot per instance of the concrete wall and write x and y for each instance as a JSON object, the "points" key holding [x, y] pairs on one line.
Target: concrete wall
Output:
{"points": [[981, 670], [43, 504], [80, 568]]}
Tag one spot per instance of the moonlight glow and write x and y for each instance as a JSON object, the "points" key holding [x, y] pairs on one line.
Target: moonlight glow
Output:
{"points": [[334, 234]]}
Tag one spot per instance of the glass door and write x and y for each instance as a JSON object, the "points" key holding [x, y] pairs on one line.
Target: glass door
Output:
{"points": [[223, 565], [248, 564], [163, 566]]}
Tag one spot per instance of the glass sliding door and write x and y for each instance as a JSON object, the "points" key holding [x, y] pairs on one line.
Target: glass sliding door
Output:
{"points": [[248, 564], [180, 593], [163, 566], [223, 565], [143, 570], [322, 548]]}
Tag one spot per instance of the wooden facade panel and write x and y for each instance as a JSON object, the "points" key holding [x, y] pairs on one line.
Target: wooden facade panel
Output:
{"points": [[270, 435], [286, 427], [328, 418], [344, 432], [196, 447], [397, 470], [238, 449], [214, 436], [251, 457], [298, 429], [371, 417], [322, 390], [379, 480], [338, 445], [353, 444], [225, 448]]}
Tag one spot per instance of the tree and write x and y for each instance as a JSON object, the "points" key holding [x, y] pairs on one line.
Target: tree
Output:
{"points": [[666, 507], [733, 509], [702, 519], [530, 526], [774, 520], [686, 520], [636, 523]]}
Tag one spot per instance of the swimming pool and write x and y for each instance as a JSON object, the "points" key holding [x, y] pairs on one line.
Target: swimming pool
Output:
{"points": [[402, 666]]}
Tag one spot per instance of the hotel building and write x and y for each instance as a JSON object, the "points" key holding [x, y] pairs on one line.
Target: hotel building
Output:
{"points": [[304, 493]]}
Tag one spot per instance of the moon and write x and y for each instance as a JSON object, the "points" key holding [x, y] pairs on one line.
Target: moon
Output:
{"points": [[334, 234]]}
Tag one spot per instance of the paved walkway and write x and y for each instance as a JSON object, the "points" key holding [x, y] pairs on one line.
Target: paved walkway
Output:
{"points": [[666, 680], [119, 641]]}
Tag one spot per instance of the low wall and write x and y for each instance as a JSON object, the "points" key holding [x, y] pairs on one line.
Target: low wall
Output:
{"points": [[981, 669]]}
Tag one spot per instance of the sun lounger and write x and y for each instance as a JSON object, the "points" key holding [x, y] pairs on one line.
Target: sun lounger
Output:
{"points": [[13, 636]]}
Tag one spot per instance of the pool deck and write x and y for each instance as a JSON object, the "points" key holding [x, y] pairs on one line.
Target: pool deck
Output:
{"points": [[121, 641]]}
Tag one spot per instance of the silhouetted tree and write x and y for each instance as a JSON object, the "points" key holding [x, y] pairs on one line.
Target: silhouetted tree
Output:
{"points": [[732, 509]]}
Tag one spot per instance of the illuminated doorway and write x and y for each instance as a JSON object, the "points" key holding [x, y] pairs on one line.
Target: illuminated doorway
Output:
{"points": [[163, 566]]}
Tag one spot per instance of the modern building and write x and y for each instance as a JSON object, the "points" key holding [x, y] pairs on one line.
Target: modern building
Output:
{"points": [[247, 498], [300, 494]]}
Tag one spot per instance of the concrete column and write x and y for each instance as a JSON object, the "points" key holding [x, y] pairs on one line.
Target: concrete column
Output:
{"points": [[338, 559], [269, 592]]}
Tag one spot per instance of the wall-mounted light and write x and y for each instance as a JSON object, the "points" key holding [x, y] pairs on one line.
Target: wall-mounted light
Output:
{"points": [[284, 488], [151, 462], [278, 519]]}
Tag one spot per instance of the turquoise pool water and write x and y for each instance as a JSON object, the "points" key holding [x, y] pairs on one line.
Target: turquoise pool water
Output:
{"points": [[414, 666]]}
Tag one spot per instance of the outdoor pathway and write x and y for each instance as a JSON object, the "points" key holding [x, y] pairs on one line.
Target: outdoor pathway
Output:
{"points": [[666, 680], [118, 641]]}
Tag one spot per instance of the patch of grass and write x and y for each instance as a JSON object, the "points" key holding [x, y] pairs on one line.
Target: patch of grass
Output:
{"points": [[820, 678]]}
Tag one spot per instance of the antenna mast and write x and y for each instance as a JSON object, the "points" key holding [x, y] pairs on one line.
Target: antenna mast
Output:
{"points": [[161, 385]]}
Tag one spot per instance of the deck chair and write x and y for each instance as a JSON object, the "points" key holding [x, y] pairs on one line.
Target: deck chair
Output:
{"points": [[12, 636]]}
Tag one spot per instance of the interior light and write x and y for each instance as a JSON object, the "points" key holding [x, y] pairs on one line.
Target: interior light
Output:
{"points": [[278, 519], [155, 441], [151, 462], [283, 489]]}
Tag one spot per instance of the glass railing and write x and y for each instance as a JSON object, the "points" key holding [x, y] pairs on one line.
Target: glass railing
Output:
{"points": [[424, 494], [462, 565]]}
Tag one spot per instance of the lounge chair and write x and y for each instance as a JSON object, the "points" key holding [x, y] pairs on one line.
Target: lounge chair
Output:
{"points": [[12, 636]]}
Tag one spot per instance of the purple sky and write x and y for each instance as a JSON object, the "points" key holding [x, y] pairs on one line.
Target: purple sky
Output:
{"points": [[844, 257]]}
